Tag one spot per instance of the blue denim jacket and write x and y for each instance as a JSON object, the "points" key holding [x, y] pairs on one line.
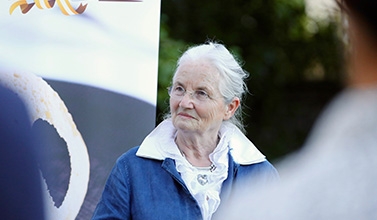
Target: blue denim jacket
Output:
{"points": [[143, 189]]}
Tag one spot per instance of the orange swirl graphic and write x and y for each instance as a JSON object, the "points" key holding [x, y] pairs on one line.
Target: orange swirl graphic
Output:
{"points": [[64, 5]]}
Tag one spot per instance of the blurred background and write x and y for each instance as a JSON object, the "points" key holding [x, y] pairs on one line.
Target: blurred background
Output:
{"points": [[293, 50]]}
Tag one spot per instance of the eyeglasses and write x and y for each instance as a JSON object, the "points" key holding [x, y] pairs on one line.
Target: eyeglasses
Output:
{"points": [[178, 92]]}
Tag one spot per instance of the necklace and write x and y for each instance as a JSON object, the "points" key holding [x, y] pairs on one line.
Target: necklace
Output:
{"points": [[202, 178], [212, 167], [203, 174]]}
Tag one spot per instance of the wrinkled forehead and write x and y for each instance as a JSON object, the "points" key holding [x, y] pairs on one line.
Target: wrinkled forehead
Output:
{"points": [[200, 73]]}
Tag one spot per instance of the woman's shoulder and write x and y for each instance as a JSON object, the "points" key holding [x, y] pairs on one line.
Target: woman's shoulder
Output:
{"points": [[264, 168], [265, 164], [129, 154], [130, 158]]}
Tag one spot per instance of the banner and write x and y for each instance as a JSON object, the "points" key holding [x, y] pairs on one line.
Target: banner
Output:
{"points": [[87, 71]]}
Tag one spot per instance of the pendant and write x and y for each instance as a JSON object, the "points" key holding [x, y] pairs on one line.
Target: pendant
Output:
{"points": [[202, 179]]}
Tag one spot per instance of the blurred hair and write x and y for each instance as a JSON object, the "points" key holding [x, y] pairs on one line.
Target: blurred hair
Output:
{"points": [[365, 10], [232, 75]]}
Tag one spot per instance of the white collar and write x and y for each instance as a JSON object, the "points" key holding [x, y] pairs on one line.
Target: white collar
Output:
{"points": [[241, 148]]}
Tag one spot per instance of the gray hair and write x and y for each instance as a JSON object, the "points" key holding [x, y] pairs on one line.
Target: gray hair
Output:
{"points": [[232, 75]]}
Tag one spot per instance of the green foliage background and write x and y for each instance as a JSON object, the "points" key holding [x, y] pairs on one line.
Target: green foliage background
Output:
{"points": [[295, 62]]}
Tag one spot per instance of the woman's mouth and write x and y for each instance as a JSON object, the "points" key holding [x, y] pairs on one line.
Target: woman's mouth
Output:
{"points": [[185, 115]]}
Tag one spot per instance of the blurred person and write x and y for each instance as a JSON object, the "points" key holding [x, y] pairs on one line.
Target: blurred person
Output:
{"points": [[198, 156], [334, 176], [20, 182]]}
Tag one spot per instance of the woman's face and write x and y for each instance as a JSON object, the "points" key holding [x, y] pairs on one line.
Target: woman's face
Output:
{"points": [[191, 113]]}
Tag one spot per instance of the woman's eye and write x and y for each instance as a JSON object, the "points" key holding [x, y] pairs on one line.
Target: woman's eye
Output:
{"points": [[179, 89], [201, 94]]}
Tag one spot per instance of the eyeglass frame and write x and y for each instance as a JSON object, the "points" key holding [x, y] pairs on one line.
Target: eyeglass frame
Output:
{"points": [[193, 94]]}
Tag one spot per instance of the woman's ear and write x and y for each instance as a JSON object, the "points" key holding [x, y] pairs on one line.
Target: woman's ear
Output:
{"points": [[231, 108]]}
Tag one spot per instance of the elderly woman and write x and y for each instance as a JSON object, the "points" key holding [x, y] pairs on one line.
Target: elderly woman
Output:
{"points": [[196, 157]]}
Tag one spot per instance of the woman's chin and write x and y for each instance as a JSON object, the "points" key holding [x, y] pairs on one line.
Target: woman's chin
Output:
{"points": [[184, 125]]}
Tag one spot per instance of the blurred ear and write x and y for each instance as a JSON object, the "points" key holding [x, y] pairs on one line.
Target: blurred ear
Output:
{"points": [[231, 108]]}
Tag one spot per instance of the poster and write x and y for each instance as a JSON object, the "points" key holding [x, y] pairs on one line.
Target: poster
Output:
{"points": [[100, 58]]}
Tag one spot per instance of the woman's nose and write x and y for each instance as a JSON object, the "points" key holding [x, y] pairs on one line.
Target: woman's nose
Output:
{"points": [[187, 100]]}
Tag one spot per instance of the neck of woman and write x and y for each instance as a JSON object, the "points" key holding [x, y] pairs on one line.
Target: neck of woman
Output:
{"points": [[196, 149], [363, 57]]}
